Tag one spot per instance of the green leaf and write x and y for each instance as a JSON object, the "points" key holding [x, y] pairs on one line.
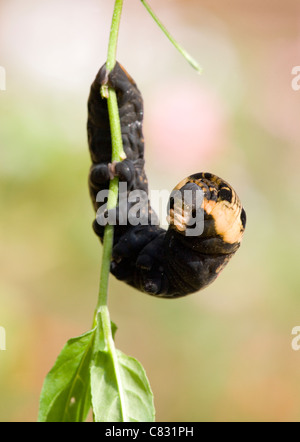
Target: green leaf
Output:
{"points": [[119, 386], [114, 329], [66, 395], [139, 397]]}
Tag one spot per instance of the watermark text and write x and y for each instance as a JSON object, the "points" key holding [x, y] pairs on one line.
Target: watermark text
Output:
{"points": [[184, 209], [2, 79], [296, 79], [2, 338], [296, 339]]}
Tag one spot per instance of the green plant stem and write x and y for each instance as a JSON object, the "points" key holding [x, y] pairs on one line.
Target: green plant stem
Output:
{"points": [[182, 51], [117, 155], [114, 33], [106, 323]]}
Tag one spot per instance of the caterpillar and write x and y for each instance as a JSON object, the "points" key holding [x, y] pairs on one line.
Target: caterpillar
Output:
{"points": [[165, 263]]}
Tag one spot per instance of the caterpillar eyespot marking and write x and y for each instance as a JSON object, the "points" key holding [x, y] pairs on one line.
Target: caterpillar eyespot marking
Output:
{"points": [[163, 263]]}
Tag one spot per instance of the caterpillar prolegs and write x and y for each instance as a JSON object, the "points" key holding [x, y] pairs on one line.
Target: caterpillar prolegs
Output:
{"points": [[166, 263]]}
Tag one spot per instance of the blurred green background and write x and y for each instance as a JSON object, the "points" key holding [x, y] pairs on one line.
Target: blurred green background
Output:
{"points": [[223, 354]]}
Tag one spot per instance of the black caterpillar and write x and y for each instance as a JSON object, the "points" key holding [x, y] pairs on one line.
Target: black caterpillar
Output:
{"points": [[162, 263]]}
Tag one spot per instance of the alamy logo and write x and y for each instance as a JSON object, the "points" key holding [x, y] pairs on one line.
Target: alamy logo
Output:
{"points": [[296, 340], [296, 79], [2, 338], [185, 210], [2, 79]]}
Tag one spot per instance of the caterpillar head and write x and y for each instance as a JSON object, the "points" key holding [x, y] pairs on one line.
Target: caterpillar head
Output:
{"points": [[206, 208]]}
